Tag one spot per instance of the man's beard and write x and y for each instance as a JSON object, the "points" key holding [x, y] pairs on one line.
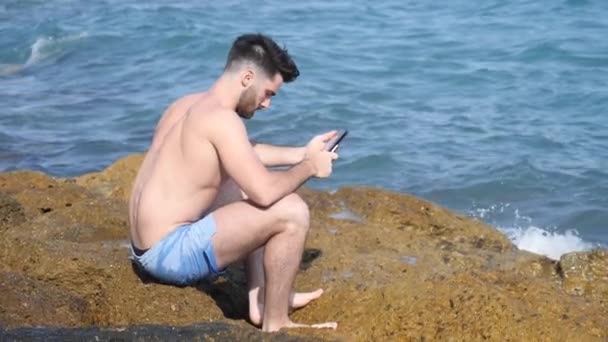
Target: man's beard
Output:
{"points": [[246, 106]]}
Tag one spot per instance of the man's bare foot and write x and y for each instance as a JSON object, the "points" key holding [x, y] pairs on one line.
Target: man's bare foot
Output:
{"points": [[290, 324], [301, 299], [297, 300]]}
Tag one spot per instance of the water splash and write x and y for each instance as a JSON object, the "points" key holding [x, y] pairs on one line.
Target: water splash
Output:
{"points": [[526, 236], [552, 244]]}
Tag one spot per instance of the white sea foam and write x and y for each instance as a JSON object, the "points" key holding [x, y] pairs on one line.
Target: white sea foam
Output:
{"points": [[527, 236], [548, 243]]}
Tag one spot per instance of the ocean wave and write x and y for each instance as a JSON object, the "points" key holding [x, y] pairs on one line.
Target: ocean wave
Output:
{"points": [[45, 49], [50, 48]]}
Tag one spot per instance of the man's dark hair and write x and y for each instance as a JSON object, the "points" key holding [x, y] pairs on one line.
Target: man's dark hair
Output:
{"points": [[264, 53]]}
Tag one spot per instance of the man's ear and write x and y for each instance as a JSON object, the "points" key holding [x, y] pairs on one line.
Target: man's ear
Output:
{"points": [[247, 77]]}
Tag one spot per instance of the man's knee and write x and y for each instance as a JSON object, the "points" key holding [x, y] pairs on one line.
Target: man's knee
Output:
{"points": [[292, 210]]}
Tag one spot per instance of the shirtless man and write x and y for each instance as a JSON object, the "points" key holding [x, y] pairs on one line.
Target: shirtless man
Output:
{"points": [[204, 197]]}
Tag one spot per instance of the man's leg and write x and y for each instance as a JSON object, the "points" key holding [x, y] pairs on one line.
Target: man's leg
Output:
{"points": [[254, 264], [242, 228], [255, 279]]}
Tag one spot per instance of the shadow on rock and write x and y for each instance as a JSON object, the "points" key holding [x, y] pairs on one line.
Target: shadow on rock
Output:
{"points": [[229, 291]]}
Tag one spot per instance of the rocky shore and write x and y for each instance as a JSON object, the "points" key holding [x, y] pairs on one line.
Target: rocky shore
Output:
{"points": [[393, 267]]}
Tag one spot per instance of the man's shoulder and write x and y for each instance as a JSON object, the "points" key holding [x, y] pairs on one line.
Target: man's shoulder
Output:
{"points": [[203, 113]]}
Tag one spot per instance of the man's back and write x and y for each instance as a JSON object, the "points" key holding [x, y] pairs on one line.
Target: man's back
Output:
{"points": [[179, 176]]}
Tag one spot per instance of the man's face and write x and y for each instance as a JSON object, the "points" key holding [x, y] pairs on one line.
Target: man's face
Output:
{"points": [[258, 95]]}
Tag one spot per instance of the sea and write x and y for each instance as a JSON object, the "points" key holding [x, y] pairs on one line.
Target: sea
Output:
{"points": [[494, 109]]}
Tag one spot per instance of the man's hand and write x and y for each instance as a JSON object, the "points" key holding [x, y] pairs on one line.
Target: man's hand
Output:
{"points": [[319, 158]]}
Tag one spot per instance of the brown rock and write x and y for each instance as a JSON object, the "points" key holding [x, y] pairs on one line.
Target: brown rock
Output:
{"points": [[586, 273], [394, 267], [116, 180], [28, 301], [11, 212]]}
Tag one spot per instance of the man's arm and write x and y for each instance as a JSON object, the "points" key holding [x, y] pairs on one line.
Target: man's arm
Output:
{"points": [[228, 135], [271, 155]]}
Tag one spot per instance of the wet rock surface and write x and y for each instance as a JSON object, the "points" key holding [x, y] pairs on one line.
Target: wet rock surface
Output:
{"points": [[393, 267]]}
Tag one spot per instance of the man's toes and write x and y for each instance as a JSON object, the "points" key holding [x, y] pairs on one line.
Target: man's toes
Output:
{"points": [[316, 294], [301, 299], [327, 325]]}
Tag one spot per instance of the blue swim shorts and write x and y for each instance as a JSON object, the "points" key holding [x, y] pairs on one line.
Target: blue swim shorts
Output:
{"points": [[183, 257]]}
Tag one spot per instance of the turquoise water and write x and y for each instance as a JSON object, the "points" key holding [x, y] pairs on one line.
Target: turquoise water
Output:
{"points": [[494, 110]]}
